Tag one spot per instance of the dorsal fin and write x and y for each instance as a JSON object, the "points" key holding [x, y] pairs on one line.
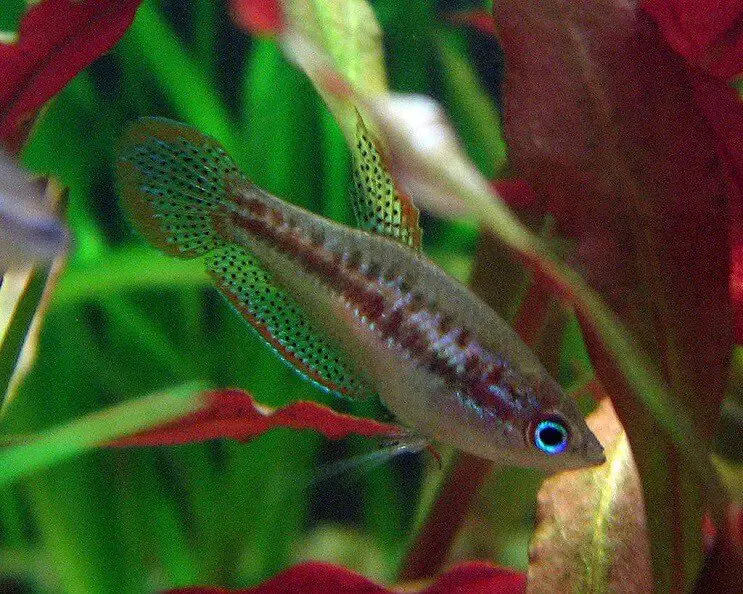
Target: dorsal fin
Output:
{"points": [[380, 207], [176, 184]]}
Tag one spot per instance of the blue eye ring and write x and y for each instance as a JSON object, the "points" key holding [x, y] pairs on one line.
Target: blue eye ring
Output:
{"points": [[551, 436]]}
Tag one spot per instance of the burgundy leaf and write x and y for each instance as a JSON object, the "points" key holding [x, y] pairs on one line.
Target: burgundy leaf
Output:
{"points": [[601, 119], [258, 17], [234, 414], [708, 33], [57, 39], [517, 193], [314, 577], [717, 100], [724, 111], [619, 174]]}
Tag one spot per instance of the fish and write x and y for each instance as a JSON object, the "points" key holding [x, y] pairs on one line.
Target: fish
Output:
{"points": [[360, 312]]}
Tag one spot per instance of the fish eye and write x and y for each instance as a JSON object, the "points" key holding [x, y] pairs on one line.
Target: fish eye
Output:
{"points": [[551, 436]]}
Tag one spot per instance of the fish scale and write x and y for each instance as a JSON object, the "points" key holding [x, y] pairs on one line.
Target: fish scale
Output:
{"points": [[357, 312]]}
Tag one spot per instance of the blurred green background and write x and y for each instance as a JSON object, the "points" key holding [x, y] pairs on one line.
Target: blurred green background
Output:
{"points": [[126, 321]]}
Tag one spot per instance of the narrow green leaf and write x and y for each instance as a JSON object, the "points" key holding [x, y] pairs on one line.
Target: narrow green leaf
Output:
{"points": [[126, 270], [195, 101], [62, 443], [473, 110]]}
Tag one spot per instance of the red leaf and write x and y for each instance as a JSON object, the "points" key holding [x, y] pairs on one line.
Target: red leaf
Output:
{"points": [[695, 29], [622, 176], [708, 33], [234, 414], [314, 577], [517, 193], [57, 39], [258, 17], [599, 117], [709, 36], [724, 110]]}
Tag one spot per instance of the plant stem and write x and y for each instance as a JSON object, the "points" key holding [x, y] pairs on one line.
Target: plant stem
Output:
{"points": [[431, 546]]}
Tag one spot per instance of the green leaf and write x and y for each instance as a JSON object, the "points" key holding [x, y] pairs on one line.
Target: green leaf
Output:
{"points": [[350, 34], [473, 110], [195, 101], [62, 443]]}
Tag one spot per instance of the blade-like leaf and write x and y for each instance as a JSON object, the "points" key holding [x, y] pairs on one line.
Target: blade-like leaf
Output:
{"points": [[57, 39], [24, 299], [25, 292], [234, 414], [62, 443], [591, 534]]}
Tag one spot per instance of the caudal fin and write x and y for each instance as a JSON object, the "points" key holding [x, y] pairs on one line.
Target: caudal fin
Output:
{"points": [[176, 184], [174, 179]]}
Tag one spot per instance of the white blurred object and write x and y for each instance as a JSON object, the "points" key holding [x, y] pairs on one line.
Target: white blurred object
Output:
{"points": [[425, 151], [29, 229], [414, 127]]}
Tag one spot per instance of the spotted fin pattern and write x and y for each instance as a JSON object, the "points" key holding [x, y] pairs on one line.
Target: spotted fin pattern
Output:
{"points": [[176, 183], [377, 203], [173, 180], [281, 321]]}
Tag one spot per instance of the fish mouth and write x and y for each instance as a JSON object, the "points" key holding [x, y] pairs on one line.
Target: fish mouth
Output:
{"points": [[593, 451]]}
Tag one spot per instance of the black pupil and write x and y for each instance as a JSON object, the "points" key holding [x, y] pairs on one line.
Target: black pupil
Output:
{"points": [[551, 436]]}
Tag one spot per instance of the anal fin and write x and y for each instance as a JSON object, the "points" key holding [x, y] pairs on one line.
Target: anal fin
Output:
{"points": [[281, 322]]}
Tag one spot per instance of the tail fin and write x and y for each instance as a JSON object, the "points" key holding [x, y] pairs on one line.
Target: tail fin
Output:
{"points": [[176, 183], [174, 180]]}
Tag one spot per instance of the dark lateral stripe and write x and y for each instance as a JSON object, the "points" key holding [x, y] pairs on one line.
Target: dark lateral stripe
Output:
{"points": [[396, 314]]}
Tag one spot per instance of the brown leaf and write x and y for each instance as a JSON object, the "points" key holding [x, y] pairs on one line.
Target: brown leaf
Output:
{"points": [[591, 534]]}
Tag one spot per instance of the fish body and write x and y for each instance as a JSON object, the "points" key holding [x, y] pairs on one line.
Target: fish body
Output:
{"points": [[355, 311]]}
